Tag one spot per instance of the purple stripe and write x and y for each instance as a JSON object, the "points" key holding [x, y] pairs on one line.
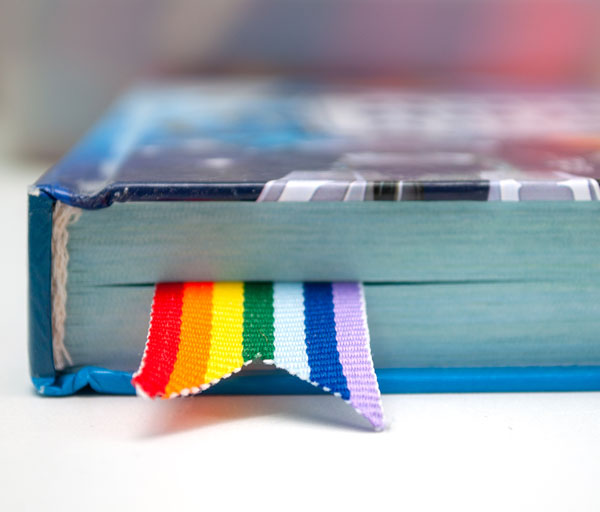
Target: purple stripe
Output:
{"points": [[355, 352]]}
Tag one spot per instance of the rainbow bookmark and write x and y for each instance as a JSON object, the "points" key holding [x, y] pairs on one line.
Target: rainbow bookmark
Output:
{"points": [[203, 332]]}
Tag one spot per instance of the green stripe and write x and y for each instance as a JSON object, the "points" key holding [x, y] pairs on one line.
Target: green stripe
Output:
{"points": [[259, 335]]}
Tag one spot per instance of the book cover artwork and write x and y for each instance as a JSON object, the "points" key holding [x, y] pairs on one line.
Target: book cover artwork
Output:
{"points": [[269, 142]]}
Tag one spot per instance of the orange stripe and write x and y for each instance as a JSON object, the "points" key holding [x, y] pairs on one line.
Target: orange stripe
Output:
{"points": [[194, 345]]}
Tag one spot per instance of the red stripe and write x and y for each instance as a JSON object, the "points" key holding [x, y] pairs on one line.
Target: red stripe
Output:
{"points": [[163, 339]]}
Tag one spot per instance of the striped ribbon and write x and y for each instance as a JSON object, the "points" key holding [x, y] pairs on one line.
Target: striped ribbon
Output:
{"points": [[203, 332]]}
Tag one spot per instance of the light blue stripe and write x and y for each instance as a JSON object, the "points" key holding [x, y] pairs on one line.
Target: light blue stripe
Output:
{"points": [[290, 345]]}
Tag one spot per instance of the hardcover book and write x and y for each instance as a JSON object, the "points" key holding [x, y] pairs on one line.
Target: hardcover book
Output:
{"points": [[469, 217]]}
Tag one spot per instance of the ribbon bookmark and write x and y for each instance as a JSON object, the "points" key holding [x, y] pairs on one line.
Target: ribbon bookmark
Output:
{"points": [[201, 333]]}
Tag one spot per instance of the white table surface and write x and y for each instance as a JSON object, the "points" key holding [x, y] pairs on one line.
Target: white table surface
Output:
{"points": [[528, 451]]}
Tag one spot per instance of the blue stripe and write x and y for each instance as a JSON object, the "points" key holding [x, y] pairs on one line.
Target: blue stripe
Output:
{"points": [[321, 345]]}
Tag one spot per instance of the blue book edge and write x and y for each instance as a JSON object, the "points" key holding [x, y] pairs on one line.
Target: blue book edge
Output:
{"points": [[391, 380], [41, 359]]}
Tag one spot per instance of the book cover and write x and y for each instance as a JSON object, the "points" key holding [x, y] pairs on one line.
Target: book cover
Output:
{"points": [[276, 142]]}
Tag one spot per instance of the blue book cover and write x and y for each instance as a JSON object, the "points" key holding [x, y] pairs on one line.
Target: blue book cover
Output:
{"points": [[228, 141], [279, 142]]}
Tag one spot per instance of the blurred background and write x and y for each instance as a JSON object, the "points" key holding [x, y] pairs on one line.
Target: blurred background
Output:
{"points": [[62, 62]]}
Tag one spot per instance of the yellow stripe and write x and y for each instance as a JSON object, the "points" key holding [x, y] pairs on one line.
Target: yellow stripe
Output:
{"points": [[227, 330], [194, 344]]}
